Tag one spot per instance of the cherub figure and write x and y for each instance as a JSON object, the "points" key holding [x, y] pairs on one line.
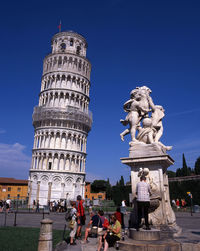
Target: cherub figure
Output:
{"points": [[137, 107]]}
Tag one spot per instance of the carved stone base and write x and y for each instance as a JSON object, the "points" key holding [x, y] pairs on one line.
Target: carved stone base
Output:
{"points": [[144, 235], [154, 167], [140, 149]]}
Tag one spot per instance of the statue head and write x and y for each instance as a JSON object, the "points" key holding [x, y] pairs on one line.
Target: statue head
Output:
{"points": [[147, 122], [133, 93], [145, 89]]}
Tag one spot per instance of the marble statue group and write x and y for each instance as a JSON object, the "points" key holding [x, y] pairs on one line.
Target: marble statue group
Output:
{"points": [[144, 119]]}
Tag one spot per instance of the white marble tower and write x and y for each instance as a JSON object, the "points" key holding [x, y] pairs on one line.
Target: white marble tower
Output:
{"points": [[61, 121]]}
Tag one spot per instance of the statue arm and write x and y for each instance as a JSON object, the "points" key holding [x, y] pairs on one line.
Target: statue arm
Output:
{"points": [[151, 103], [144, 110], [127, 104]]}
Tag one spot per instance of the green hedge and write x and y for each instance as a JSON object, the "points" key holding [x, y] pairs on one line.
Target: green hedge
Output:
{"points": [[179, 189]]}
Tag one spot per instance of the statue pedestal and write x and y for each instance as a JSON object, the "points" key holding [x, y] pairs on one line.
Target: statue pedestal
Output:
{"points": [[144, 235], [154, 166]]}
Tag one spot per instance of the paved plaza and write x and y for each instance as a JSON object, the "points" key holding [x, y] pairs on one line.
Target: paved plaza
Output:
{"points": [[189, 224]]}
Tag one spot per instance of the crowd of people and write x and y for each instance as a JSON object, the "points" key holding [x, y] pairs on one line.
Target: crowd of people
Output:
{"points": [[5, 205], [59, 206], [108, 231], [179, 203]]}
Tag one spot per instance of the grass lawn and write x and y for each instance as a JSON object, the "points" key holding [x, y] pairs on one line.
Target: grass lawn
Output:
{"points": [[23, 238]]}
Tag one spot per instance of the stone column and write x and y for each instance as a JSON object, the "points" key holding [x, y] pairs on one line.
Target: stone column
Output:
{"points": [[33, 162], [38, 191], [45, 239], [83, 190], [30, 192], [64, 162], [42, 160], [62, 190], [83, 165], [58, 164], [49, 191], [37, 165]]}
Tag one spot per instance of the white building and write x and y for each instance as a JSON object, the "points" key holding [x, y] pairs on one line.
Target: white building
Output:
{"points": [[62, 121]]}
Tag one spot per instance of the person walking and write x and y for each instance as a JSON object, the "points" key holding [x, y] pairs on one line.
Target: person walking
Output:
{"points": [[143, 201], [37, 207], [177, 204], [81, 216]]}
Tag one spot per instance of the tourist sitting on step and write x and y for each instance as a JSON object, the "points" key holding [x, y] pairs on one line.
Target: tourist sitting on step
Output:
{"points": [[94, 226], [105, 224], [113, 233]]}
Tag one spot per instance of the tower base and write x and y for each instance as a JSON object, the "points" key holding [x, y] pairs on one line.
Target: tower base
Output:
{"points": [[48, 186]]}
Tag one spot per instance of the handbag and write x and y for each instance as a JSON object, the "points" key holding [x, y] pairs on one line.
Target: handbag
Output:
{"points": [[71, 224], [94, 230]]}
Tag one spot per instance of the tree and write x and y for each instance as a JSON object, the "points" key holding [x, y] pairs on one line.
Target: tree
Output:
{"points": [[171, 174], [120, 192], [108, 190], [121, 182], [197, 166], [99, 186], [185, 170], [179, 172]]}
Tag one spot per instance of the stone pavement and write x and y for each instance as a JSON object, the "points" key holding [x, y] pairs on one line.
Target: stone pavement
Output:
{"points": [[91, 246], [189, 224], [183, 219]]}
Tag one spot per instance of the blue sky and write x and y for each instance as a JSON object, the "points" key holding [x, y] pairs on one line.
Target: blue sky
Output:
{"points": [[130, 43]]}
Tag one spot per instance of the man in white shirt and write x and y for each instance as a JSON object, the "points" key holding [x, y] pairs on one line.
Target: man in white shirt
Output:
{"points": [[143, 201]]}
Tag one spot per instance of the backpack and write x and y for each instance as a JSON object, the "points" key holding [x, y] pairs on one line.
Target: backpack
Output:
{"points": [[68, 215]]}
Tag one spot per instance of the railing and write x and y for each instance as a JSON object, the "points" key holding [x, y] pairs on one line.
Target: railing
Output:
{"points": [[68, 113]]}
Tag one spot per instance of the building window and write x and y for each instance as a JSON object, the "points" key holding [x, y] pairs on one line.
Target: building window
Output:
{"points": [[86, 189], [9, 189], [8, 195], [100, 196], [63, 46], [19, 189], [18, 196], [93, 197], [71, 42], [50, 163], [86, 196], [78, 50]]}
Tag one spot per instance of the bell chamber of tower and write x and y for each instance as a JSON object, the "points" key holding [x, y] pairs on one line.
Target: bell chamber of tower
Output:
{"points": [[62, 121]]}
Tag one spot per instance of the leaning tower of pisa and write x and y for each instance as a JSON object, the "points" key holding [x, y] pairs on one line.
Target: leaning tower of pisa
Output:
{"points": [[61, 121]]}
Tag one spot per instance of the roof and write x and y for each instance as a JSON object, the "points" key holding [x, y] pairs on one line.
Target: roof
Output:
{"points": [[12, 181]]}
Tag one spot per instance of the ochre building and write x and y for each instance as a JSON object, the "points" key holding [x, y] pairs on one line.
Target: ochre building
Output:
{"points": [[13, 188], [93, 196]]}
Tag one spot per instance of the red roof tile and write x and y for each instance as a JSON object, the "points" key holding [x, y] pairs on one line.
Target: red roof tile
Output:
{"points": [[12, 181]]}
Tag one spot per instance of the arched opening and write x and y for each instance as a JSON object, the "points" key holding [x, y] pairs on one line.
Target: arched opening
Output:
{"points": [[78, 50], [63, 46]]}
